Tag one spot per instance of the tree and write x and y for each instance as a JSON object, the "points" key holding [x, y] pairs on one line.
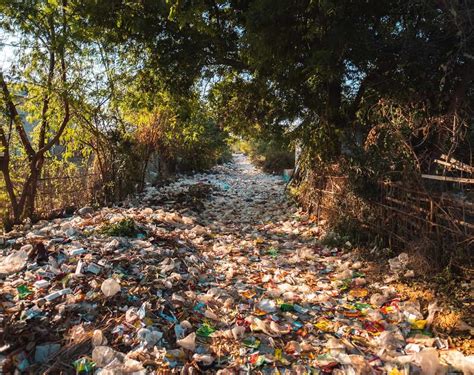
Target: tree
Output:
{"points": [[41, 92]]}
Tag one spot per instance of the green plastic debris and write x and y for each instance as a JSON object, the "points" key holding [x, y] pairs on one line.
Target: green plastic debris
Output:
{"points": [[346, 284], [287, 307], [205, 330], [362, 306], [260, 361], [273, 252], [83, 366], [23, 291], [424, 332], [252, 342], [66, 279]]}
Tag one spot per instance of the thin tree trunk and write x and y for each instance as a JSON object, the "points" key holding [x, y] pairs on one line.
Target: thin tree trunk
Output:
{"points": [[29, 208], [26, 204], [5, 168]]}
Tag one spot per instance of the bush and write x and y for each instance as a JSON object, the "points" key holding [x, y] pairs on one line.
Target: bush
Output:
{"points": [[123, 228]]}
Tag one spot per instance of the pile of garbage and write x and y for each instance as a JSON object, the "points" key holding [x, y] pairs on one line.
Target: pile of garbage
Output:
{"points": [[231, 280]]}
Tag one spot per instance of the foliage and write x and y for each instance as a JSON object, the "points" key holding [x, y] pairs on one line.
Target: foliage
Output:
{"points": [[35, 97], [122, 228], [329, 63], [181, 130], [85, 101], [250, 109]]}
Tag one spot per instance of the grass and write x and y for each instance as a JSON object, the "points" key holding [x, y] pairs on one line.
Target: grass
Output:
{"points": [[123, 228]]}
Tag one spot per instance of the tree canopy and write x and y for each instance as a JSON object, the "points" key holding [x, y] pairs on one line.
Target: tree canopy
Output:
{"points": [[324, 74]]}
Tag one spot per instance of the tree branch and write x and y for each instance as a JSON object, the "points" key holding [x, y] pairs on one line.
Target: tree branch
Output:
{"points": [[44, 112], [16, 117], [65, 98]]}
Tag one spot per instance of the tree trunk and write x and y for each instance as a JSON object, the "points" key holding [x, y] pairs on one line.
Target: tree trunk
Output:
{"points": [[333, 117], [29, 209], [26, 205], [333, 108], [5, 168]]}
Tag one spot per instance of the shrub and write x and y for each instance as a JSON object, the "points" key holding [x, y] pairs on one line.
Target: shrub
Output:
{"points": [[123, 228]]}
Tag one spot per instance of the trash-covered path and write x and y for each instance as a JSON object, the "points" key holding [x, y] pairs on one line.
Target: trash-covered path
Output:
{"points": [[215, 273]]}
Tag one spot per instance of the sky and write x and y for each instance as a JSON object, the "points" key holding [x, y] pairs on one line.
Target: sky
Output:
{"points": [[7, 50]]}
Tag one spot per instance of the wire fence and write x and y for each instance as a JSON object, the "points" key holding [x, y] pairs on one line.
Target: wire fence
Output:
{"points": [[437, 216], [57, 193], [443, 220]]}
